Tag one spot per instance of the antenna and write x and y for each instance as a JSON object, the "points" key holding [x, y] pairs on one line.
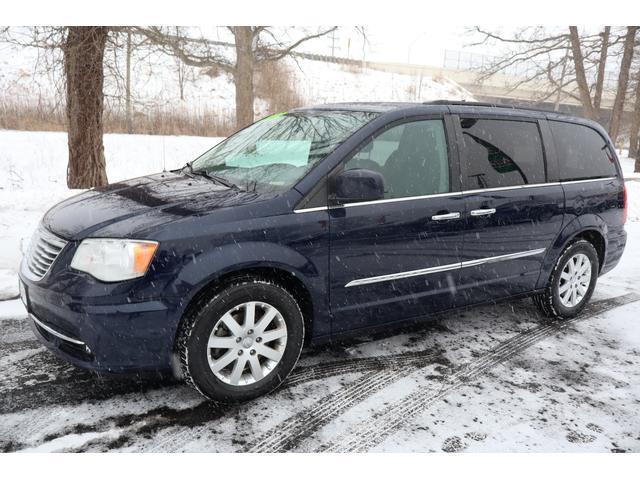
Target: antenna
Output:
{"points": [[164, 160]]}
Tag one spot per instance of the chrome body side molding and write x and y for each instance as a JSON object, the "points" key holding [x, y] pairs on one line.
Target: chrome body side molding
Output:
{"points": [[55, 333], [452, 194], [443, 268]]}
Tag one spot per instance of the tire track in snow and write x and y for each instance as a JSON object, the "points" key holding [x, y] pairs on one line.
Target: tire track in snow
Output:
{"points": [[286, 435], [324, 410], [355, 365], [363, 437], [75, 386]]}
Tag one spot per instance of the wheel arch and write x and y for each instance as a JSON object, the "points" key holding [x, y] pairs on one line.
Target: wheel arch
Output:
{"points": [[277, 275], [588, 227]]}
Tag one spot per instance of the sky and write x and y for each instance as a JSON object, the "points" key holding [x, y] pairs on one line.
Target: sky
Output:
{"points": [[388, 43], [397, 43]]}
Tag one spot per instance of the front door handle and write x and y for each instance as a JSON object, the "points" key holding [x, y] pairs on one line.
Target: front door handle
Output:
{"points": [[446, 216], [483, 212]]}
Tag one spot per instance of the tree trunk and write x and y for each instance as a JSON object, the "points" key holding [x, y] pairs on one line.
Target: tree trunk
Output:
{"points": [[556, 105], [181, 71], [635, 127], [129, 110], [623, 83], [581, 78], [601, 69], [243, 76], [83, 53]]}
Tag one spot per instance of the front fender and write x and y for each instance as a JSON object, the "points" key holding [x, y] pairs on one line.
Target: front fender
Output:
{"points": [[236, 257], [572, 229]]}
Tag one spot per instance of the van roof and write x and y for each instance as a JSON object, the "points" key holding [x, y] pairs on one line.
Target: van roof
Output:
{"points": [[453, 106]]}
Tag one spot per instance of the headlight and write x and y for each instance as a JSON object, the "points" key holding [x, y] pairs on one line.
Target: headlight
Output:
{"points": [[112, 260]]}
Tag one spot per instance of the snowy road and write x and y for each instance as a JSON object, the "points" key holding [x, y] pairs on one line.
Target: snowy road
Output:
{"points": [[495, 378]]}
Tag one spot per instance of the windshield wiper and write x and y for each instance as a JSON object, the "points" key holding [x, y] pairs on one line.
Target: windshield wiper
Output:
{"points": [[215, 178]]}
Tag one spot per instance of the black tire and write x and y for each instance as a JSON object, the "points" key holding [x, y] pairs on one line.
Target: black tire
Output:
{"points": [[196, 328], [548, 302]]}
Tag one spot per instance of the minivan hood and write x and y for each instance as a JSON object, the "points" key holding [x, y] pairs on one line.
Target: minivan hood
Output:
{"points": [[142, 201]]}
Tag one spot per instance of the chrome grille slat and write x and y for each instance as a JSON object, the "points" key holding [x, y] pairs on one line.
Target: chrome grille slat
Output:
{"points": [[51, 256], [46, 247], [37, 263], [53, 243], [43, 251]]}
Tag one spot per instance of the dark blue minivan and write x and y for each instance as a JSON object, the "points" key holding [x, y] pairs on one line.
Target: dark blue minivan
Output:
{"points": [[324, 222]]}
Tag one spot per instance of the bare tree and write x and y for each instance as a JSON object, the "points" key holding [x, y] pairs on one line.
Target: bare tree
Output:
{"points": [[623, 82], [83, 52], [634, 141], [181, 71], [79, 52], [252, 46], [128, 105], [566, 62], [581, 77], [602, 63]]}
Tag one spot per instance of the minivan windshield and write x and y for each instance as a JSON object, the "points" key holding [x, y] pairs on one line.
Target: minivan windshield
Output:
{"points": [[274, 153]]}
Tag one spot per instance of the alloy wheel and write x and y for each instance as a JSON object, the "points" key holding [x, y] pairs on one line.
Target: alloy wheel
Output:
{"points": [[574, 280], [247, 343]]}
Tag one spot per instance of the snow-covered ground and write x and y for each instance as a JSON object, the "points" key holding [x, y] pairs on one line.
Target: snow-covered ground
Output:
{"points": [[495, 378]]}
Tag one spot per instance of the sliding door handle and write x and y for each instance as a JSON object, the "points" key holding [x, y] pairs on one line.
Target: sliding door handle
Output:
{"points": [[446, 216], [483, 212]]}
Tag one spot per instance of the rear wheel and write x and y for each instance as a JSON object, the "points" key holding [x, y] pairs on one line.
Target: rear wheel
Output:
{"points": [[243, 342], [571, 283]]}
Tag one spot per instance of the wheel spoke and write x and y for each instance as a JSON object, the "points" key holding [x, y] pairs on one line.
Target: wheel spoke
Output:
{"points": [[238, 368], [565, 276], [269, 352], [583, 269], [222, 342], [249, 315], [573, 297], [564, 287], [266, 319], [271, 335], [223, 361], [232, 325], [582, 289], [256, 368]]}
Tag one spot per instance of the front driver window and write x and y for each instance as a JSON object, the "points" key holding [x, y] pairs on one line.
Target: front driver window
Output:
{"points": [[412, 158]]}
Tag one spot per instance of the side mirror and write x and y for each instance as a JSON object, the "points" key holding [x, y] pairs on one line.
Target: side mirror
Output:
{"points": [[357, 185]]}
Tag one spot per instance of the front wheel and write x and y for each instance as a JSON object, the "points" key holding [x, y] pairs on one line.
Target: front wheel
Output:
{"points": [[243, 342], [571, 283]]}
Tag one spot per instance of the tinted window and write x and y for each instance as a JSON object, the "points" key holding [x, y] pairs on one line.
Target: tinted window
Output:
{"points": [[501, 153], [582, 152], [412, 158]]}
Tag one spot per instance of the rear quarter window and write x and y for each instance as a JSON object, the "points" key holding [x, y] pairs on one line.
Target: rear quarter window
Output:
{"points": [[582, 152], [501, 153]]}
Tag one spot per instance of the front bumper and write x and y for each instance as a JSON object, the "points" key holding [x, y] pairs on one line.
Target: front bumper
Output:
{"points": [[119, 336]]}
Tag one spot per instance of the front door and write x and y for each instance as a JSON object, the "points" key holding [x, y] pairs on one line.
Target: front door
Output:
{"points": [[397, 258], [513, 213]]}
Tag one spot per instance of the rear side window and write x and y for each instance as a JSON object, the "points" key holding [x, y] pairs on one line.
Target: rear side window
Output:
{"points": [[501, 153], [582, 152]]}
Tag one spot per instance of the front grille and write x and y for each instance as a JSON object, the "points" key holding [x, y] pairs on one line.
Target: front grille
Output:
{"points": [[42, 252]]}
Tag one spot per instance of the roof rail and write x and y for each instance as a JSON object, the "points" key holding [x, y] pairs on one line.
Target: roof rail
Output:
{"points": [[486, 104]]}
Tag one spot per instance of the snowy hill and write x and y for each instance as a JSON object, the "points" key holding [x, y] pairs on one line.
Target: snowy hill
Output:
{"points": [[26, 79]]}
